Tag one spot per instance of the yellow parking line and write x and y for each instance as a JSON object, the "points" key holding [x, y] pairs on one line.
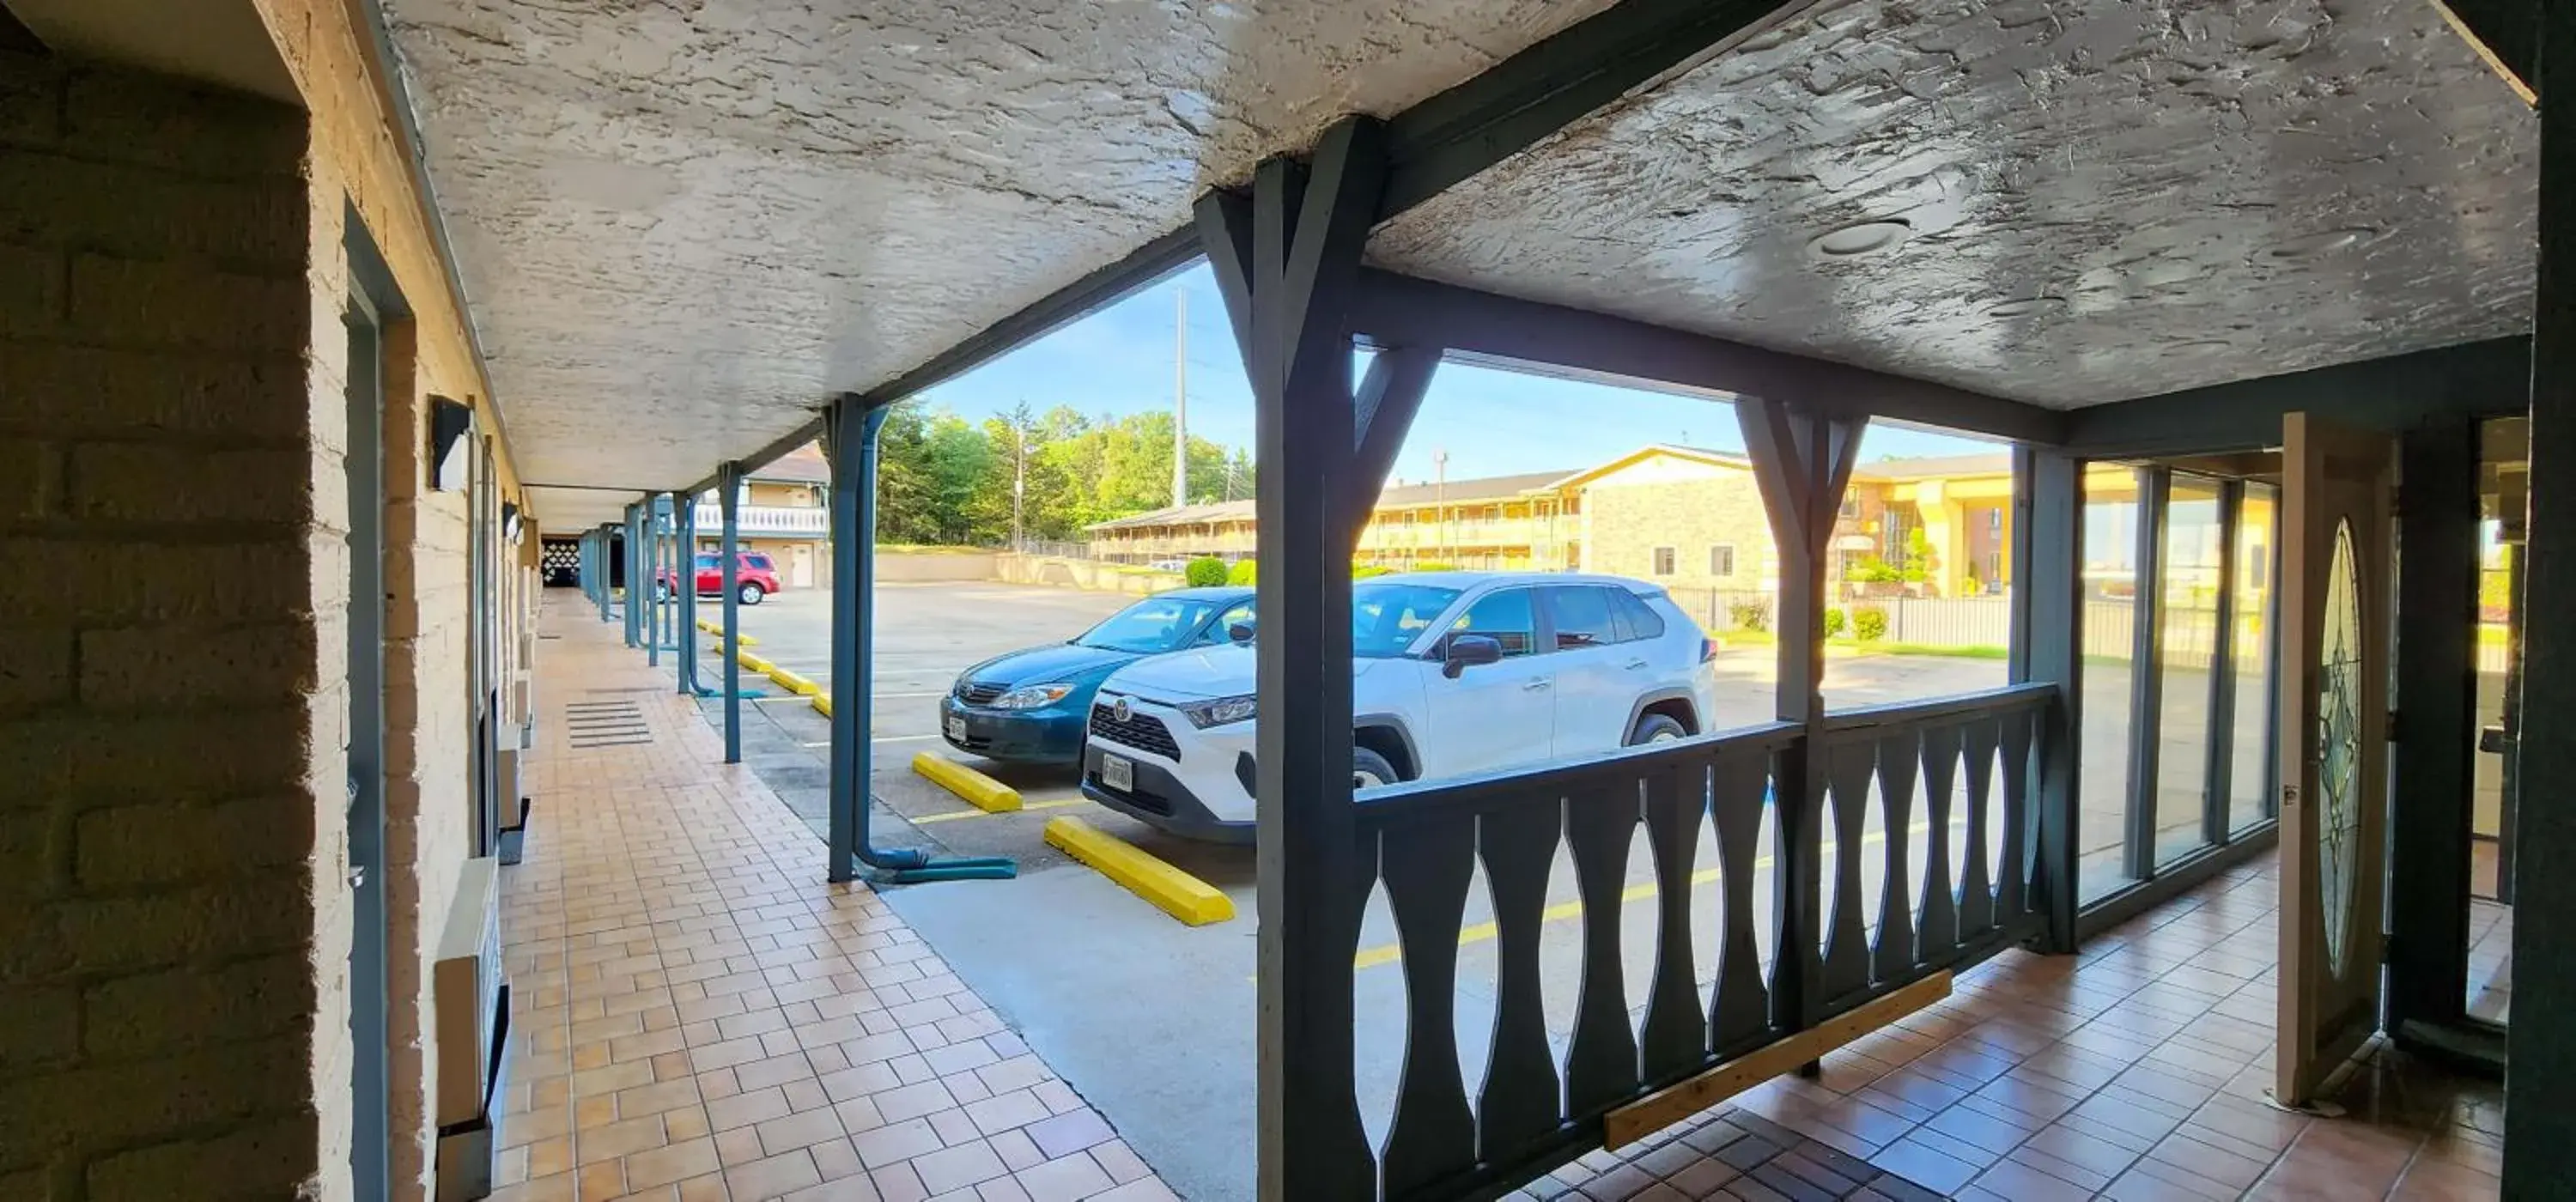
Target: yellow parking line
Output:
{"points": [[1173, 891], [957, 815], [1389, 953]]}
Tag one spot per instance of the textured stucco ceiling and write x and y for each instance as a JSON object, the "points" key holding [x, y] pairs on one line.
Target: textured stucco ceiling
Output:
{"points": [[2128, 171], [682, 224]]}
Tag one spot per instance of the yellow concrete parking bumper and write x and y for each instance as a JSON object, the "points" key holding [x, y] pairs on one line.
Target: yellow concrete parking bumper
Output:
{"points": [[1173, 891], [822, 703], [792, 682], [980, 791], [717, 629]]}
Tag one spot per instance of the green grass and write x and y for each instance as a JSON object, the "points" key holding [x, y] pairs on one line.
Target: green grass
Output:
{"points": [[1883, 647], [1764, 638]]}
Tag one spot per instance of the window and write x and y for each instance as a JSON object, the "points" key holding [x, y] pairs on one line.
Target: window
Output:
{"points": [[708, 563], [1721, 560], [1152, 625], [1663, 561], [1221, 631], [1638, 618], [1503, 617], [754, 559], [1581, 616], [1386, 616], [1851, 505]]}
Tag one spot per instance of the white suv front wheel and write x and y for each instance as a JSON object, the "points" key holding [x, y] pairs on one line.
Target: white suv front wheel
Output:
{"points": [[1369, 769], [1656, 728]]}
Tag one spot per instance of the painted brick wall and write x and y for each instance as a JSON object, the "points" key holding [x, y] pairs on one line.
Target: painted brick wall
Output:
{"points": [[1624, 523], [173, 914]]}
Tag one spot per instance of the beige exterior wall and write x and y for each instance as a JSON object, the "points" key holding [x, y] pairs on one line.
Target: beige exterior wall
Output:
{"points": [[1688, 506], [177, 927], [172, 363], [773, 492]]}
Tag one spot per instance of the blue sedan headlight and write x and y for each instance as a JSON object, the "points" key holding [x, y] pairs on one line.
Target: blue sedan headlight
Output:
{"points": [[1029, 697], [1220, 711]]}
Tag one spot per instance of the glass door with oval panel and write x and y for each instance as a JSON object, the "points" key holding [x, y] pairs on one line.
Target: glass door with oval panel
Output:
{"points": [[2335, 574]]}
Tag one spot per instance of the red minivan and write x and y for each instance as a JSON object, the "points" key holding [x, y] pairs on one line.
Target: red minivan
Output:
{"points": [[755, 576]]}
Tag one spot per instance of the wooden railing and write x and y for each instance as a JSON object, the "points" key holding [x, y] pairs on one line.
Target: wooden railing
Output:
{"points": [[1425, 845]]}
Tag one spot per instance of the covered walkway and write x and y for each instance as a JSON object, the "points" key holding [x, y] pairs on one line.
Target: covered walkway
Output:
{"points": [[705, 1018]]}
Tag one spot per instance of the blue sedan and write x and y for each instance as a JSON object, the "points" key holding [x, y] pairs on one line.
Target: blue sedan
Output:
{"points": [[1032, 706]]}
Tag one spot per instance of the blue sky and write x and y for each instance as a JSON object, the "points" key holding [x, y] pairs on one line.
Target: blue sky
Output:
{"points": [[1491, 422]]}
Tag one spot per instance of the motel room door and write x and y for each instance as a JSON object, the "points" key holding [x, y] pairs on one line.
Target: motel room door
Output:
{"points": [[2336, 587]]}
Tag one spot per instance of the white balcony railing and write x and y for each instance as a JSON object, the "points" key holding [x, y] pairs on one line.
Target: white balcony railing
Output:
{"points": [[784, 519]]}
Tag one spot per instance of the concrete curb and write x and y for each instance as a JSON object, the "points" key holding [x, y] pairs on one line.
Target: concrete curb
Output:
{"points": [[1173, 891], [978, 790]]}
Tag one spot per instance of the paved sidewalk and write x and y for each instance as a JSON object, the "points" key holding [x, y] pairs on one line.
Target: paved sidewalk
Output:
{"points": [[699, 1016]]}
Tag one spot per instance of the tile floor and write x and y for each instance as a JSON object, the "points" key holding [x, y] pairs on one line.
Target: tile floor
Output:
{"points": [[698, 1016], [2135, 1071], [701, 1018]]}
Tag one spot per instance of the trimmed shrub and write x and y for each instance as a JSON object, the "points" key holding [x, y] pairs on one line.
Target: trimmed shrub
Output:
{"points": [[1205, 571], [1750, 615], [1362, 571], [1244, 571], [1869, 623], [1435, 565], [1834, 622]]}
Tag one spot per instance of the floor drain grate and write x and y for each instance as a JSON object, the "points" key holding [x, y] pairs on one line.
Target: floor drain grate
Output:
{"points": [[606, 724]]}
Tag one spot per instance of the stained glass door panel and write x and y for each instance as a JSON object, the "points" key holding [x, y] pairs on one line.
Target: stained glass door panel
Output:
{"points": [[2334, 596]]}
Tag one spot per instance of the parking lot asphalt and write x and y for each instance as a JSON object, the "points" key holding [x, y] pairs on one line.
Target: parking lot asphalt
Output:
{"points": [[1151, 1020]]}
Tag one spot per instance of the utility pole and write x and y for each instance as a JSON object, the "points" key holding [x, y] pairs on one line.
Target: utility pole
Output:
{"points": [[1180, 396], [1440, 498], [1019, 484]]}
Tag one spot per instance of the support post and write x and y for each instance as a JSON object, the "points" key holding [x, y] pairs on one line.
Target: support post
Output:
{"points": [[2434, 777], [655, 610], [1802, 461], [1287, 260], [2048, 648], [2540, 1125], [2220, 766], [853, 432], [633, 608], [2146, 683], [728, 504], [684, 581], [850, 442]]}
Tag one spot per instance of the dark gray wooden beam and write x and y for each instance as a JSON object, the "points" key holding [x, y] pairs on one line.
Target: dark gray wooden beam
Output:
{"points": [[1487, 328], [2433, 769], [1293, 258], [2395, 394], [2540, 1122], [1565, 77], [1383, 408], [2048, 647]]}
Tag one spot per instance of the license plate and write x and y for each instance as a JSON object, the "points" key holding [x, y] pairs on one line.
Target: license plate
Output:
{"points": [[1117, 773], [956, 730]]}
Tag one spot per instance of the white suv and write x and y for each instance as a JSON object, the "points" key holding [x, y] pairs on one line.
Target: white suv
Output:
{"points": [[1452, 672]]}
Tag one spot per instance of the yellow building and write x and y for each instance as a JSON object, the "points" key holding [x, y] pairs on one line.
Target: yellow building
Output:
{"points": [[1692, 519], [1515, 523]]}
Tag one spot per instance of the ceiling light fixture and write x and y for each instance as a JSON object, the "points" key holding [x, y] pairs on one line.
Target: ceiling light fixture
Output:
{"points": [[1861, 238], [2309, 246]]}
